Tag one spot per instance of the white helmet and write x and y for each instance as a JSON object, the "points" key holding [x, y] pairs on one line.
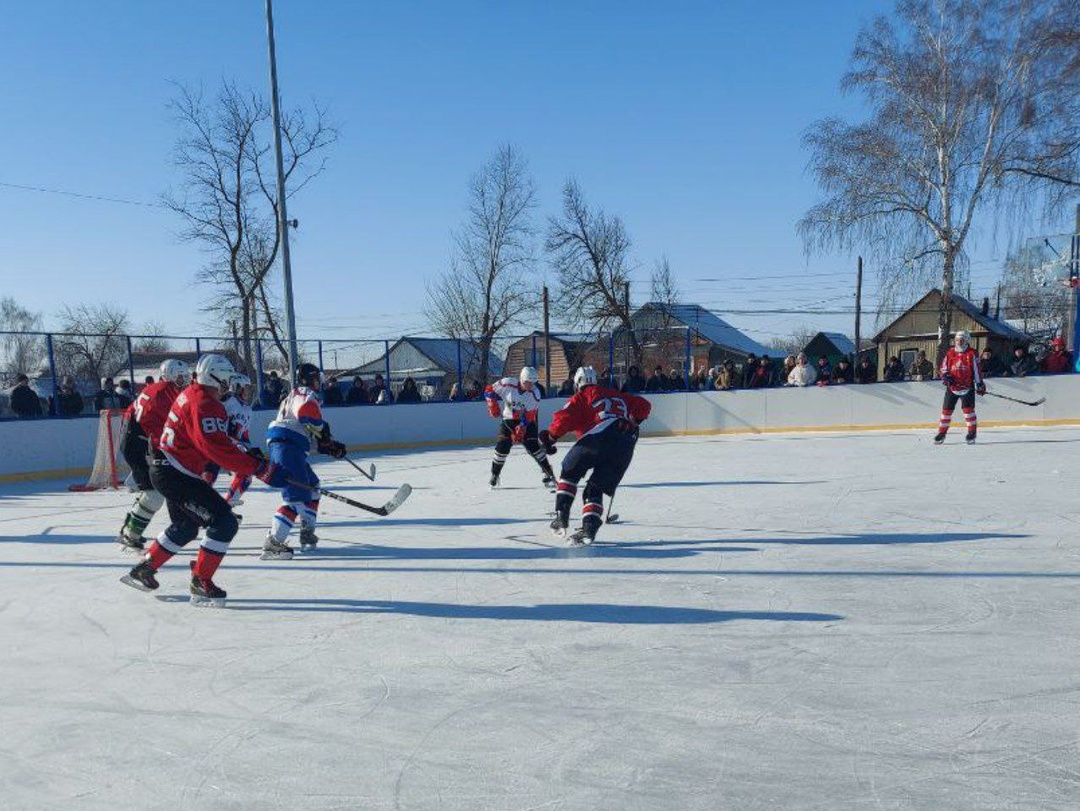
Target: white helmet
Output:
{"points": [[963, 337], [584, 376], [215, 370], [528, 373], [175, 370], [239, 384]]}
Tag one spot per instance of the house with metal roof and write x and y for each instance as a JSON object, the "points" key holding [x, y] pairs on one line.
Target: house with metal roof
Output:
{"points": [[434, 363]]}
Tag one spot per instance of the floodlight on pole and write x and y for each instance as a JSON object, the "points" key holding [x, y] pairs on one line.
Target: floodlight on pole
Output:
{"points": [[282, 217]]}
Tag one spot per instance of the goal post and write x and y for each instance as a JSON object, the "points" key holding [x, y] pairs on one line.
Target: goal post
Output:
{"points": [[110, 469]]}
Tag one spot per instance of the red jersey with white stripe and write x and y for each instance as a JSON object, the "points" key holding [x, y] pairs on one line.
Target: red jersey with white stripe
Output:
{"points": [[151, 408], [594, 408], [963, 365], [517, 404], [197, 432]]}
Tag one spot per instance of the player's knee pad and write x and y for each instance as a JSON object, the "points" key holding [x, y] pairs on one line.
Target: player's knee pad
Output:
{"points": [[223, 527], [178, 535], [503, 446]]}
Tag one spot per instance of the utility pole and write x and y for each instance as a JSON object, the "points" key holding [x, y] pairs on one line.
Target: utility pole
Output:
{"points": [[1074, 280], [858, 312], [629, 338], [547, 343], [283, 218]]}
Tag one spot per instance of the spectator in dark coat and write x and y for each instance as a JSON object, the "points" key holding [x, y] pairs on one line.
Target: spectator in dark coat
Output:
{"points": [[567, 388], [24, 400], [409, 393], [379, 392], [108, 397], [749, 369], [357, 393], [332, 392], [69, 402], [124, 392], [921, 368], [894, 370], [476, 391], [658, 381], [866, 372], [634, 381], [764, 374], [990, 365], [843, 373], [823, 371], [785, 371], [270, 397], [1022, 364]]}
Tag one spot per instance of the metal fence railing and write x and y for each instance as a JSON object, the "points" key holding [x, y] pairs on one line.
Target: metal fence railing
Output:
{"points": [[70, 374]]}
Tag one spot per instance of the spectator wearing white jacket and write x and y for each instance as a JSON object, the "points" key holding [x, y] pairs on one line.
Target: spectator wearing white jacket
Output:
{"points": [[803, 374]]}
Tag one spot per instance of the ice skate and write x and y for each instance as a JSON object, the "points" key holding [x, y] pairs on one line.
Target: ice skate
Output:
{"points": [[273, 549], [308, 540], [559, 524], [939, 438], [970, 439], [129, 543], [549, 482], [581, 537], [493, 482], [204, 593], [141, 577]]}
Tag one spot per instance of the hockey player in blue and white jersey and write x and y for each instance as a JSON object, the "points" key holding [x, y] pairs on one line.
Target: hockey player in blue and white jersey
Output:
{"points": [[299, 422]]}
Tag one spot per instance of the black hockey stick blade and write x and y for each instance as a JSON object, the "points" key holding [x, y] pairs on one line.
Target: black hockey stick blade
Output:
{"points": [[370, 476], [396, 501], [613, 518], [1038, 402]]}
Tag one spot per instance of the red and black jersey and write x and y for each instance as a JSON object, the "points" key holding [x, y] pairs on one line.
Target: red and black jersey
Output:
{"points": [[594, 408], [197, 432], [963, 365], [151, 408]]}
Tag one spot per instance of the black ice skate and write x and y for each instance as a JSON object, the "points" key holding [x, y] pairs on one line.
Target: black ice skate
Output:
{"points": [[971, 437], [559, 524], [494, 481], [549, 482], [582, 537], [939, 438], [205, 593], [130, 544], [141, 578], [308, 540]]}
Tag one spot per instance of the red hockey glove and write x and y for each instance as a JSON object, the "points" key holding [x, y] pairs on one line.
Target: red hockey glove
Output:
{"points": [[493, 407], [518, 434], [256, 454], [269, 473], [980, 389]]}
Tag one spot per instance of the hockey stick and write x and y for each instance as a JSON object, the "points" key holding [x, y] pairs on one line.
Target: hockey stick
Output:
{"points": [[1040, 401], [396, 501], [611, 517], [370, 476]]}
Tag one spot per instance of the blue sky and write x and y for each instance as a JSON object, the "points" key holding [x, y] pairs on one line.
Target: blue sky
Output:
{"points": [[684, 118]]}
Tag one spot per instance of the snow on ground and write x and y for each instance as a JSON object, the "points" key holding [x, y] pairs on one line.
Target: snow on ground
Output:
{"points": [[781, 622]]}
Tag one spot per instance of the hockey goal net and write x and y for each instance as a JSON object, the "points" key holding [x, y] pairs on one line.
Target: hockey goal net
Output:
{"points": [[110, 469]]}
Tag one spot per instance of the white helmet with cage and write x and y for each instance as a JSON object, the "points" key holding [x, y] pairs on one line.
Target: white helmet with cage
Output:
{"points": [[584, 376], [962, 337], [175, 370], [529, 375], [215, 370], [240, 385]]}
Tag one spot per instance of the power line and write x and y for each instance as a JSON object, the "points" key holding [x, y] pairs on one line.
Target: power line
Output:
{"points": [[98, 197]]}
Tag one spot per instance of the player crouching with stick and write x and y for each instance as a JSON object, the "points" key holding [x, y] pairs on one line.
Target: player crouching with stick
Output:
{"points": [[517, 404], [606, 422]]}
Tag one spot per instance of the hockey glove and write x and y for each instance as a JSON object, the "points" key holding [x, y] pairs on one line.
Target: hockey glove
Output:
{"points": [[948, 379], [980, 389], [333, 448], [493, 407], [548, 441], [269, 473], [256, 454]]}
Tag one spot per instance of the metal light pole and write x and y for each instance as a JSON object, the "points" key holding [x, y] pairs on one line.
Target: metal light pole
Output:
{"points": [[283, 219]]}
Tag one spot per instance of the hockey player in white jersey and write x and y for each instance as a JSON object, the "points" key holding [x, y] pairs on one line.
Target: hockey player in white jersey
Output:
{"points": [[299, 422], [516, 402]]}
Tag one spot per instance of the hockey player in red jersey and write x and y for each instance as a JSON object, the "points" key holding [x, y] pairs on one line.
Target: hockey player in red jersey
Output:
{"points": [[236, 406], [606, 422], [516, 402], [963, 380], [144, 420], [196, 432]]}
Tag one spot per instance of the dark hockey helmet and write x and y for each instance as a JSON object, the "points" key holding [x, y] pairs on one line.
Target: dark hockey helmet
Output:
{"points": [[307, 374]]}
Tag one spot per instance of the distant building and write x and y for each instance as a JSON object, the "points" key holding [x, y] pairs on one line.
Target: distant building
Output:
{"points": [[918, 329], [568, 352], [833, 345], [433, 363]]}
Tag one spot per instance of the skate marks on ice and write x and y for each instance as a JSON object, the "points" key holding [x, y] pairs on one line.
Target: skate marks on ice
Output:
{"points": [[554, 612]]}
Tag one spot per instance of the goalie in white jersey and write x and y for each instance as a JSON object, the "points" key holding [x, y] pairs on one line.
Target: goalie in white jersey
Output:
{"points": [[516, 402], [299, 422]]}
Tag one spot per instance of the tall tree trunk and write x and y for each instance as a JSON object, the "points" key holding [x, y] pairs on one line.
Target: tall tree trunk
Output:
{"points": [[945, 309]]}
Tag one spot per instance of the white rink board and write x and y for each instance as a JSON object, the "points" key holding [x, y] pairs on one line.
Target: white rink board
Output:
{"points": [[805, 621]]}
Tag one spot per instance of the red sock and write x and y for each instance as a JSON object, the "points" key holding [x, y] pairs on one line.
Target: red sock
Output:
{"points": [[206, 563]]}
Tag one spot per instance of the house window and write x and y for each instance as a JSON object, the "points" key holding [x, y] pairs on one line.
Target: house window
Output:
{"points": [[907, 357]]}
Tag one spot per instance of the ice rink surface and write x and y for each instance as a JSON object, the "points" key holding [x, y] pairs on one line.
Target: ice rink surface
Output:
{"points": [[806, 621]]}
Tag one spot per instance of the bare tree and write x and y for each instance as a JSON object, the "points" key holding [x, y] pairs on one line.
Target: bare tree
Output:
{"points": [[669, 342], [94, 341], [967, 98], [1037, 300], [150, 339], [590, 251], [794, 343], [229, 195], [488, 285], [21, 353]]}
